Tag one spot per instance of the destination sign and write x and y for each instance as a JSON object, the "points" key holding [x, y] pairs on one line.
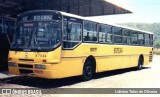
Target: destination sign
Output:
{"points": [[39, 16], [42, 17]]}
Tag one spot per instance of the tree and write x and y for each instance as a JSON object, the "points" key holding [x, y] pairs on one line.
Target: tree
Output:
{"points": [[157, 45]]}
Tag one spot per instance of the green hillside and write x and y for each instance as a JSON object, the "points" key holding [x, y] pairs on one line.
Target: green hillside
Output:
{"points": [[155, 28]]}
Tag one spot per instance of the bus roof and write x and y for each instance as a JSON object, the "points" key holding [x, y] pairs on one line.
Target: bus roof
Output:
{"points": [[84, 18], [80, 17]]}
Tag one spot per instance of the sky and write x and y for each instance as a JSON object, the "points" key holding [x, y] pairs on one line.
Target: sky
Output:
{"points": [[144, 11]]}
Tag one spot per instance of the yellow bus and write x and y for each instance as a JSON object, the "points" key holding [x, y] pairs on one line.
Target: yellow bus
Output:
{"points": [[52, 44]]}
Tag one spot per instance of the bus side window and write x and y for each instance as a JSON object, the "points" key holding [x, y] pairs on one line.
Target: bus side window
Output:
{"points": [[140, 39], [109, 33], [147, 39], [105, 34], [90, 32], [151, 39], [117, 32], [102, 34], [134, 39], [72, 34], [126, 36]]}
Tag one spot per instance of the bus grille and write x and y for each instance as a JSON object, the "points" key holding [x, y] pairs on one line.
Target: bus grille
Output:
{"points": [[25, 65], [26, 59], [150, 56], [23, 71]]}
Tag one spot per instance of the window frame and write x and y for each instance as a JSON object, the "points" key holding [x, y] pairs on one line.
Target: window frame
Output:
{"points": [[143, 40], [75, 21], [106, 32], [146, 39], [151, 39], [116, 35], [133, 32], [91, 23], [126, 36]]}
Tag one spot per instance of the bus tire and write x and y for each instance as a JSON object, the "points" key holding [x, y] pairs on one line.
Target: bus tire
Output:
{"points": [[88, 70], [140, 63]]}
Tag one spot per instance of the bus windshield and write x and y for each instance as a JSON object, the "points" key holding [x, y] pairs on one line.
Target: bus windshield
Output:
{"points": [[37, 35]]}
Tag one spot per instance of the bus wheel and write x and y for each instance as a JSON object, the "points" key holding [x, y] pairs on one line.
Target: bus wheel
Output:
{"points": [[140, 63], [88, 70]]}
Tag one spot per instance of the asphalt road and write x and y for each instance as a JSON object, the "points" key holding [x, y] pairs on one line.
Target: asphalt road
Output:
{"points": [[148, 77]]}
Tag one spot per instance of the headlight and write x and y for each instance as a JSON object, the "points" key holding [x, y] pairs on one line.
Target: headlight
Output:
{"points": [[12, 64], [39, 66]]}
